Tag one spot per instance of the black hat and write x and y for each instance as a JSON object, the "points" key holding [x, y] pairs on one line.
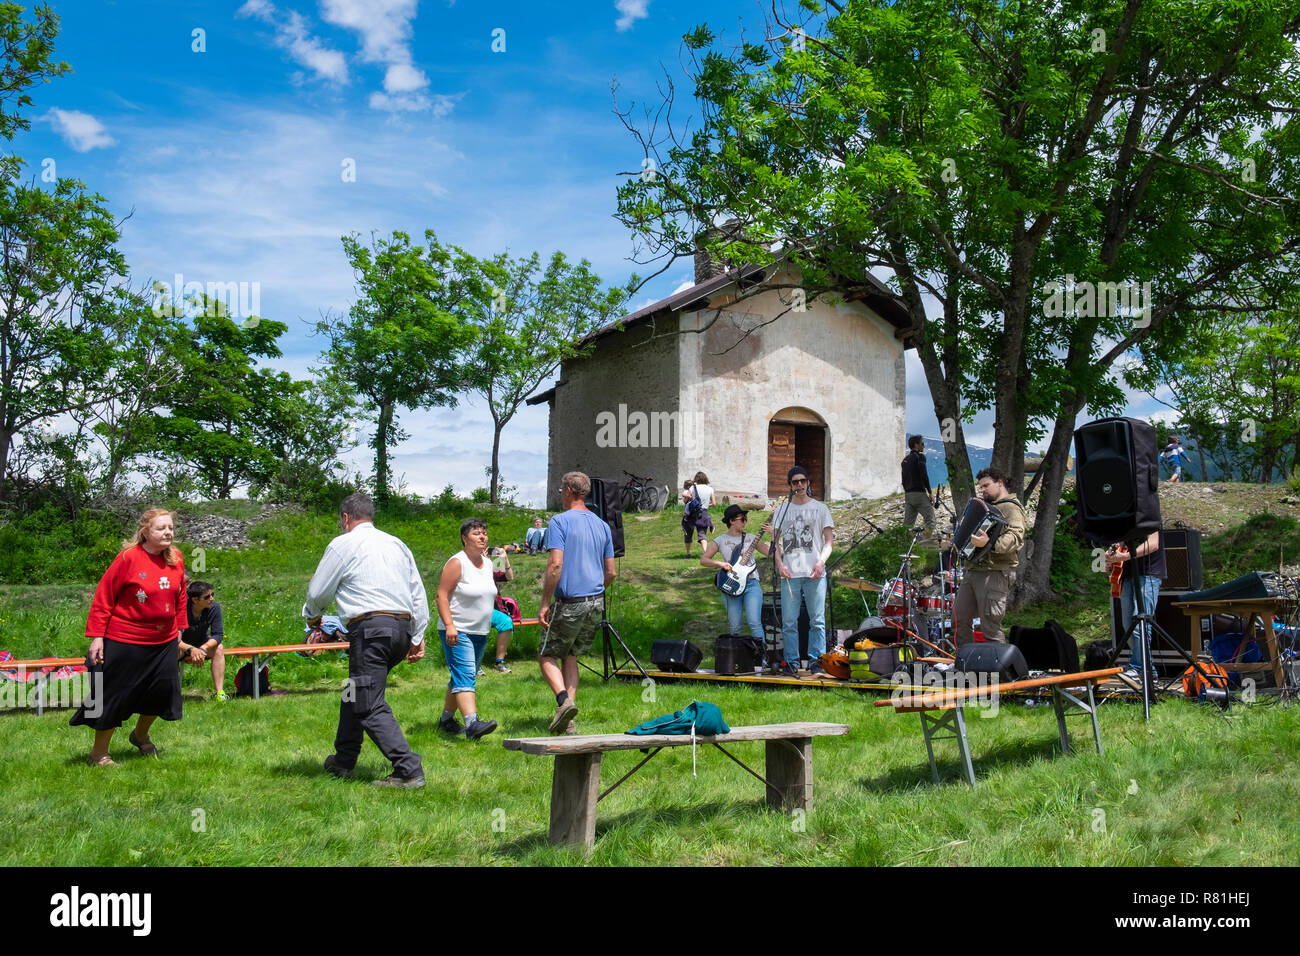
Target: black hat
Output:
{"points": [[732, 512], [794, 473]]}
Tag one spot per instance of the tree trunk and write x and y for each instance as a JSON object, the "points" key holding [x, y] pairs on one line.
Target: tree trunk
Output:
{"points": [[382, 429], [496, 470], [1033, 583], [6, 444]]}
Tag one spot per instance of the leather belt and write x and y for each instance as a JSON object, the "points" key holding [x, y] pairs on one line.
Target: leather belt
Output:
{"points": [[365, 617]]}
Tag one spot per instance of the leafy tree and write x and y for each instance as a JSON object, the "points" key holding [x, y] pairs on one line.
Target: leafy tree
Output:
{"points": [[318, 427], [58, 262], [978, 153], [222, 411], [401, 344], [1236, 387], [533, 321], [25, 49]]}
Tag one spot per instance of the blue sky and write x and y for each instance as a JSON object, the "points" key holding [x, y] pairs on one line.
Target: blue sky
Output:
{"points": [[230, 159]]}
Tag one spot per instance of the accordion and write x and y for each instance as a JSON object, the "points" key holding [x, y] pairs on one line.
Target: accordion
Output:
{"points": [[978, 516]]}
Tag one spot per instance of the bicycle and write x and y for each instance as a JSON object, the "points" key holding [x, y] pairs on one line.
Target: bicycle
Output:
{"points": [[638, 494]]}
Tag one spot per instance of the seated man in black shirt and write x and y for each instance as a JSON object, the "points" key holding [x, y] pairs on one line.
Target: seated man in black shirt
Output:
{"points": [[201, 641]]}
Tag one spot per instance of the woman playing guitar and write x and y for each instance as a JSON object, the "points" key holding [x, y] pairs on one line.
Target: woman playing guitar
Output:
{"points": [[738, 572]]}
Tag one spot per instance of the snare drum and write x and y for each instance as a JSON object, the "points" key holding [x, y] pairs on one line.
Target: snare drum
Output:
{"points": [[931, 604]]}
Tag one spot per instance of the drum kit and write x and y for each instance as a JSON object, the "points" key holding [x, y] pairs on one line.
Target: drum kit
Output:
{"points": [[929, 603]]}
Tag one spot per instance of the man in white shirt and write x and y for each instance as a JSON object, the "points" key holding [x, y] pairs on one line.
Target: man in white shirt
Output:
{"points": [[803, 543], [372, 578]]}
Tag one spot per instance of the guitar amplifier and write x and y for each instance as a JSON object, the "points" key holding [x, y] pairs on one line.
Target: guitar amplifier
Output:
{"points": [[1182, 559], [677, 657], [736, 654]]}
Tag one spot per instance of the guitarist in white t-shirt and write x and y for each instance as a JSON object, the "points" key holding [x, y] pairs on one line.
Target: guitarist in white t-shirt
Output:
{"points": [[732, 554]]}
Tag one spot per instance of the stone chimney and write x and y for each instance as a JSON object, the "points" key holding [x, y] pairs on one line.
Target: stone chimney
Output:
{"points": [[707, 264]]}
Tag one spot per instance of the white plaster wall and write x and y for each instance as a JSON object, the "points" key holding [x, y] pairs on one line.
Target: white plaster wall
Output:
{"points": [[840, 361], [633, 368]]}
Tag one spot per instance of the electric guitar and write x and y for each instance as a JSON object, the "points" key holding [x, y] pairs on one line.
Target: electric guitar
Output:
{"points": [[1117, 571], [734, 582]]}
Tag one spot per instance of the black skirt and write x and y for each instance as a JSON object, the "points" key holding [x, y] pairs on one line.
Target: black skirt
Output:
{"points": [[135, 679]]}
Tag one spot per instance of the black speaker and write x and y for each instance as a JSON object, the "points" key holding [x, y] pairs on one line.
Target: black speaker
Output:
{"points": [[1117, 479], [736, 654], [1182, 559], [607, 505], [678, 657], [1046, 648], [1005, 660]]}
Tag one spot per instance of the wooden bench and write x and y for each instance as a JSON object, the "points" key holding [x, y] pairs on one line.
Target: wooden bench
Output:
{"points": [[575, 784], [949, 702]]}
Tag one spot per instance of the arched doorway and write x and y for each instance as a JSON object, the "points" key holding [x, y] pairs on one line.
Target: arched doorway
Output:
{"points": [[797, 436]]}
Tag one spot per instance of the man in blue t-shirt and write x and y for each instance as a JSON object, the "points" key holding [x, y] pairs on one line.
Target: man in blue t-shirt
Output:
{"points": [[579, 568], [201, 641]]}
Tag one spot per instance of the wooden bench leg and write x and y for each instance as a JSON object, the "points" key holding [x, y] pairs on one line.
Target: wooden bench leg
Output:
{"points": [[789, 774], [575, 788]]}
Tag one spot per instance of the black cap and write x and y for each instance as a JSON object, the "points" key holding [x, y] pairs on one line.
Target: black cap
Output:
{"points": [[732, 512], [794, 473]]}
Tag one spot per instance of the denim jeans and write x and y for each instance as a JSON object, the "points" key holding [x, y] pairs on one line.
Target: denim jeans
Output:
{"points": [[463, 659], [812, 592], [750, 602], [1128, 610]]}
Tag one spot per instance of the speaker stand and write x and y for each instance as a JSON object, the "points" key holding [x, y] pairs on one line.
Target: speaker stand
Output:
{"points": [[1145, 634], [607, 652]]}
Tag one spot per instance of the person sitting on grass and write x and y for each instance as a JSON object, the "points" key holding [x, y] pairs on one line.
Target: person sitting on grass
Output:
{"points": [[536, 537], [201, 641]]}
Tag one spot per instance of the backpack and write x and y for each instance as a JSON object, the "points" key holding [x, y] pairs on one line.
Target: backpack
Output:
{"points": [[693, 504], [244, 680], [508, 605]]}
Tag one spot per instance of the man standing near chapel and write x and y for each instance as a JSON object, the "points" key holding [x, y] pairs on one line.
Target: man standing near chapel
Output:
{"points": [[916, 487], [803, 543], [987, 586], [372, 578], [579, 567]]}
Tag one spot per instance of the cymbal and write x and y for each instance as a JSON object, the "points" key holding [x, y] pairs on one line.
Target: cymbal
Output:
{"points": [[858, 584]]}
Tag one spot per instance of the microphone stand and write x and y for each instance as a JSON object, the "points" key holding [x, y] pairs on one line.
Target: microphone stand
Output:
{"points": [[771, 652]]}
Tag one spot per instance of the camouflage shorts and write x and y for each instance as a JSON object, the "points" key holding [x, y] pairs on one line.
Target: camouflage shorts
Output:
{"points": [[574, 625]]}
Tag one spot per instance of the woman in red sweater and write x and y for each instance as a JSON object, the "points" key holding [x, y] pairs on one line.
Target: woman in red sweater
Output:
{"points": [[135, 618]]}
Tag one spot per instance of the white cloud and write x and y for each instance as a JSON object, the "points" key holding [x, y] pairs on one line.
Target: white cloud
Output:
{"points": [[406, 103], [79, 130], [632, 10], [292, 35], [404, 78]]}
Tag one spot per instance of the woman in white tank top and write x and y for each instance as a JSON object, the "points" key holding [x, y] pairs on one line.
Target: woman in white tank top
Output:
{"points": [[466, 594]]}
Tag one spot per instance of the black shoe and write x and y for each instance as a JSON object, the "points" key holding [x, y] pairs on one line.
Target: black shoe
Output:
{"points": [[401, 783], [450, 725], [333, 768], [814, 669], [480, 728]]}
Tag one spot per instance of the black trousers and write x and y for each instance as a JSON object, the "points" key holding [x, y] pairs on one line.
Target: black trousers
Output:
{"points": [[378, 645]]}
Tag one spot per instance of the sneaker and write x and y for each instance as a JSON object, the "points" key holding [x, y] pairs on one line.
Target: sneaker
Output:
{"points": [[480, 728], [221, 696], [450, 725], [563, 714], [500, 667], [333, 768], [571, 728], [814, 669], [480, 672], [401, 783], [788, 670]]}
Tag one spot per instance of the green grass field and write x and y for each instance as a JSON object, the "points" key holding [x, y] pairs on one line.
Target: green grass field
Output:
{"points": [[241, 783]]}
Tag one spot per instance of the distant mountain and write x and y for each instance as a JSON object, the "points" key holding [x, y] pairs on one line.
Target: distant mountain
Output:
{"points": [[938, 469]]}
